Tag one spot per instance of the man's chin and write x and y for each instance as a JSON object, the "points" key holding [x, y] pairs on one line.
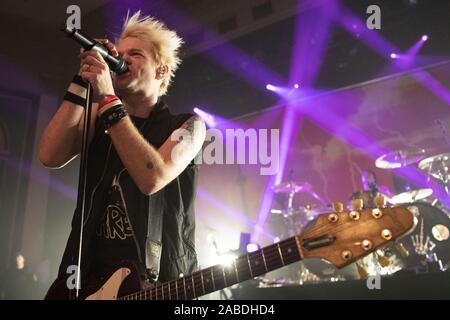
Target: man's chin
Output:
{"points": [[122, 83], [122, 90], [122, 79]]}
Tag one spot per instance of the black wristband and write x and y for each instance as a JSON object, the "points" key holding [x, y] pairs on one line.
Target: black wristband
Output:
{"points": [[113, 115], [71, 97], [79, 81], [74, 92]]}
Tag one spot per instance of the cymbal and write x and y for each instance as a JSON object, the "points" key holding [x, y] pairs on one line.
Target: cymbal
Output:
{"points": [[437, 166], [291, 187], [286, 213], [302, 210], [400, 158], [411, 196]]}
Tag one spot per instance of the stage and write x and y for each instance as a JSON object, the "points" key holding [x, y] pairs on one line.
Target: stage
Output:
{"points": [[429, 286], [323, 132]]}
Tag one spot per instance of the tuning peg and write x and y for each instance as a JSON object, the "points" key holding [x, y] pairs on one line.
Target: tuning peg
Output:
{"points": [[366, 245], [354, 215], [357, 204], [338, 207], [363, 273], [386, 234], [346, 255], [380, 201], [333, 217], [383, 261], [377, 213]]}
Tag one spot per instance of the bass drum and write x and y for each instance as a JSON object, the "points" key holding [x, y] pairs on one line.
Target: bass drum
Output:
{"points": [[427, 247]]}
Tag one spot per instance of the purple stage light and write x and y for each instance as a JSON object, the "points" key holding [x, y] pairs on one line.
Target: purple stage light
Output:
{"points": [[283, 92], [296, 86], [310, 38], [433, 85], [207, 117], [412, 52], [383, 46], [393, 55], [232, 213], [252, 247]]}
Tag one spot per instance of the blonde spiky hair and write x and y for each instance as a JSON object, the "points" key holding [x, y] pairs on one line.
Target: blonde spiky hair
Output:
{"points": [[165, 42]]}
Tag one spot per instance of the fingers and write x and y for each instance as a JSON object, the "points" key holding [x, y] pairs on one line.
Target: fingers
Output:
{"points": [[89, 68], [110, 46], [87, 71], [94, 60], [92, 66], [92, 53]]}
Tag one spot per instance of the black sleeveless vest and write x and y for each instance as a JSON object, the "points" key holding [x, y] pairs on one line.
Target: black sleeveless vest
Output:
{"points": [[176, 201]]}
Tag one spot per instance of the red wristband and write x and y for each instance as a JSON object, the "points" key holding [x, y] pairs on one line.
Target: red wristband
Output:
{"points": [[107, 99]]}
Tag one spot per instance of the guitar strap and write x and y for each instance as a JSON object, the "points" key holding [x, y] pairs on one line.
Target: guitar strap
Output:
{"points": [[153, 243]]}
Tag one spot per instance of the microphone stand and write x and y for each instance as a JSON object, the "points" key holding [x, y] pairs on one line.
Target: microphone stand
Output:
{"points": [[117, 65], [81, 200]]}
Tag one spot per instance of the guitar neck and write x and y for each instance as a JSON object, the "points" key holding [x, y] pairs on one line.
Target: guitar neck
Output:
{"points": [[219, 276], [330, 238]]}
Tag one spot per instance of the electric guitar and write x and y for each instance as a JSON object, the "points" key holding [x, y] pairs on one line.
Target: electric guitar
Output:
{"points": [[341, 237]]}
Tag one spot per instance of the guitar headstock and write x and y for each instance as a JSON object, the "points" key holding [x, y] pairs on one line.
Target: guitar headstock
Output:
{"points": [[342, 237]]}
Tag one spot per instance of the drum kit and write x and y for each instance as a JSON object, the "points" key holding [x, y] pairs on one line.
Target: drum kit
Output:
{"points": [[425, 249]]}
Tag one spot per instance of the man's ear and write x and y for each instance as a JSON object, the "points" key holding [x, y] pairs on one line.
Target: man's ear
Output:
{"points": [[161, 72]]}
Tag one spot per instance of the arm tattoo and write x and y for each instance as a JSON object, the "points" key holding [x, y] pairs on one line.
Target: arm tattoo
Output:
{"points": [[189, 125], [150, 165]]}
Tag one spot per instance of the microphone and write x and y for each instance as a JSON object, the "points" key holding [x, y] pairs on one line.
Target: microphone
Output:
{"points": [[116, 64]]}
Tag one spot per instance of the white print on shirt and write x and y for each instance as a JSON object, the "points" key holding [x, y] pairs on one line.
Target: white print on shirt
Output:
{"points": [[115, 225]]}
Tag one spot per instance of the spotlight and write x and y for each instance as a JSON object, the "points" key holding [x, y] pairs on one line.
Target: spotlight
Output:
{"points": [[226, 259], [269, 87], [424, 37], [276, 240], [252, 247], [393, 56], [207, 117], [296, 86]]}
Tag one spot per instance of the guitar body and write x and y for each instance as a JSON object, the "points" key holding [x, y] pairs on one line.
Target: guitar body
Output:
{"points": [[117, 281]]}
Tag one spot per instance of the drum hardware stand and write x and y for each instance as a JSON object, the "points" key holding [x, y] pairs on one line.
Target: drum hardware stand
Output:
{"points": [[447, 139], [435, 262], [444, 132]]}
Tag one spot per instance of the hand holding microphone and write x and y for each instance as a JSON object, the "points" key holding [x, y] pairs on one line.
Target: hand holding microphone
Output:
{"points": [[115, 63], [97, 56]]}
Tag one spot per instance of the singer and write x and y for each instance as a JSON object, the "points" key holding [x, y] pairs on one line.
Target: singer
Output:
{"points": [[140, 200]]}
